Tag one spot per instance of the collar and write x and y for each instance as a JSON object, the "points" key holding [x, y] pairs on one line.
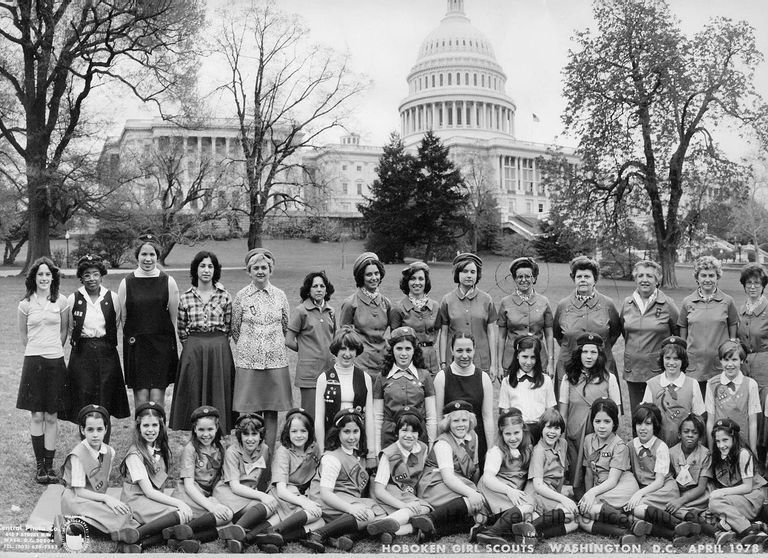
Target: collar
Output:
{"points": [[153, 450], [217, 287], [677, 382], [252, 290], [519, 301], [306, 451], [459, 441], [138, 272], [717, 295], [367, 300], [416, 449], [591, 302], [761, 305], [102, 292], [636, 442], [408, 305], [347, 451], [95, 453], [309, 305], [250, 458], [470, 295], [737, 380], [394, 372], [608, 441]]}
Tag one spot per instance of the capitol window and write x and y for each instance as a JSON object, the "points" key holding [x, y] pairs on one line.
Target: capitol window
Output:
{"points": [[449, 78], [433, 80]]}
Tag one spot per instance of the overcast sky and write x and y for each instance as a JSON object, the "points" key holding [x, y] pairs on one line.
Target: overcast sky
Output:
{"points": [[530, 38]]}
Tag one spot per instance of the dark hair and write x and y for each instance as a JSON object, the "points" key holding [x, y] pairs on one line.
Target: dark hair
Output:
{"points": [[753, 271], [161, 442], [29, 281], [92, 414], [247, 425], [580, 263], [389, 358], [307, 285], [732, 459], [409, 272], [646, 411], [574, 367], [551, 417], [462, 335], [217, 438], [141, 241], [408, 419], [523, 343], [84, 265], [347, 337], [199, 257], [607, 406], [360, 272], [285, 435], [676, 350], [513, 417], [332, 439], [462, 266], [697, 422]]}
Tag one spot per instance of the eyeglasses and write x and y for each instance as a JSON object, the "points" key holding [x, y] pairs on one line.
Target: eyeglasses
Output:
{"points": [[523, 277]]}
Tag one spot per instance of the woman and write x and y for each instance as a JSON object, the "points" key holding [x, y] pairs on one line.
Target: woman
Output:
{"points": [[648, 316], [585, 310], [149, 300], [708, 317], [95, 374], [207, 370], [467, 309], [43, 318], [418, 311], [260, 316], [310, 332], [525, 312], [753, 334], [369, 311]]}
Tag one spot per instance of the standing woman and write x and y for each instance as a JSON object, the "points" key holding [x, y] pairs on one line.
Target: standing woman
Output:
{"points": [[525, 312], [43, 317], [418, 311], [207, 370], [753, 335], [469, 310], [368, 310], [95, 374], [259, 321], [310, 332], [708, 317], [584, 310], [648, 317], [149, 299]]}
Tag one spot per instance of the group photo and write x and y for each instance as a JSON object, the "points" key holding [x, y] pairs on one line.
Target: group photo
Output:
{"points": [[435, 277]]}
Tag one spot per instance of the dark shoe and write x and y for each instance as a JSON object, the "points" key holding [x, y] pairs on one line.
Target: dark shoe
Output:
{"points": [[269, 548], [53, 477], [275, 539], [723, 537], [484, 538], [632, 539], [173, 544], [475, 530], [190, 546], [127, 535], [687, 528], [234, 547], [383, 525], [344, 543], [641, 528], [234, 532], [424, 524], [524, 533], [41, 475], [755, 538], [684, 542], [314, 541], [386, 538]]}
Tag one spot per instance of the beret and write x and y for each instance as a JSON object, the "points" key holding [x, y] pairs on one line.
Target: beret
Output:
{"points": [[254, 416], [525, 337], [674, 340], [364, 259], [728, 423], [93, 409], [149, 405], [465, 257], [299, 411], [149, 237], [347, 412], [399, 333], [589, 338], [418, 265], [204, 411], [458, 405], [406, 411], [90, 259], [525, 261], [259, 251]]}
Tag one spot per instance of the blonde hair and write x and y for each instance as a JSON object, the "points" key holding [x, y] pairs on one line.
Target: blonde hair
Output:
{"points": [[445, 423]]}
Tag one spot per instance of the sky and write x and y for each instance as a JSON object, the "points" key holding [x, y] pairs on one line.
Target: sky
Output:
{"points": [[531, 39]]}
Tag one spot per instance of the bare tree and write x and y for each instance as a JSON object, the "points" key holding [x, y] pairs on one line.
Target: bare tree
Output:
{"points": [[750, 218], [482, 202], [286, 94], [56, 53]]}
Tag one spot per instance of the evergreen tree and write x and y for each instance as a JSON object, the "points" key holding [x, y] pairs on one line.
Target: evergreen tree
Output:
{"points": [[440, 200], [389, 212]]}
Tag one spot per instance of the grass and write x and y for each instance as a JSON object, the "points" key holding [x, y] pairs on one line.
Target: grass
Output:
{"points": [[294, 260]]}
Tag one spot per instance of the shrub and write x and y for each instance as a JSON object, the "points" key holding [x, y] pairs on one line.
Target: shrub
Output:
{"points": [[111, 241]]}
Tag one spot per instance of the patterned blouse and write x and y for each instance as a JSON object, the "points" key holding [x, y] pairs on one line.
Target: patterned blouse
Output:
{"points": [[198, 316], [259, 323]]}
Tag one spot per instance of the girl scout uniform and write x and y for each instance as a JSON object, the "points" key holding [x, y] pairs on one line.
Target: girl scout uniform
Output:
{"points": [[548, 464], [399, 471], [431, 486], [205, 468], [738, 510], [512, 473], [296, 470], [687, 472], [676, 400], [735, 399], [135, 468], [238, 464], [401, 389], [647, 460], [601, 457]]}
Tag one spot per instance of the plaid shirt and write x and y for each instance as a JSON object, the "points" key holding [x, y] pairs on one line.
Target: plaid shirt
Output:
{"points": [[195, 315]]}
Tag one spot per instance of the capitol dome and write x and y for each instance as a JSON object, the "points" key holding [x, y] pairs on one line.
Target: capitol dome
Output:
{"points": [[456, 86]]}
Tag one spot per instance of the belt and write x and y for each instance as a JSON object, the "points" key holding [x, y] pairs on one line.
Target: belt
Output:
{"points": [[426, 343]]}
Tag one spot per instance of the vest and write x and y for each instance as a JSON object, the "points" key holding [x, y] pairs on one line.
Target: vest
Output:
{"points": [[332, 395], [727, 476], [96, 472], [107, 308], [404, 474], [464, 464], [353, 478], [643, 466], [157, 472]]}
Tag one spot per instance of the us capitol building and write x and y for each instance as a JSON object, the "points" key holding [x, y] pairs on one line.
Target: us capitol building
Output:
{"points": [[455, 88]]}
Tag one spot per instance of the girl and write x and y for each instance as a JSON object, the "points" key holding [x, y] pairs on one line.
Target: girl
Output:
{"points": [[737, 495], [86, 473], [340, 485], [586, 380], [503, 481], [201, 462], [675, 394], [310, 333], [464, 381], [43, 319], [526, 386], [608, 480], [732, 395], [293, 468], [400, 466], [344, 386], [546, 476], [403, 382], [450, 474], [649, 457], [244, 464], [145, 470]]}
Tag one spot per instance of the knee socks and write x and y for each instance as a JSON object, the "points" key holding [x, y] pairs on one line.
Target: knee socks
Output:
{"points": [[614, 516]]}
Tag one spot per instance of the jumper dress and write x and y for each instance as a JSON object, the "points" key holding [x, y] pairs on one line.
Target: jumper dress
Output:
{"points": [[577, 424], [206, 471], [511, 473], [550, 465], [687, 472], [145, 509], [601, 458], [674, 403], [404, 474], [296, 471], [642, 466], [431, 486]]}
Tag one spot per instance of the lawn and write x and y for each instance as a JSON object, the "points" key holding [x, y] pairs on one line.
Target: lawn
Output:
{"points": [[294, 259]]}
